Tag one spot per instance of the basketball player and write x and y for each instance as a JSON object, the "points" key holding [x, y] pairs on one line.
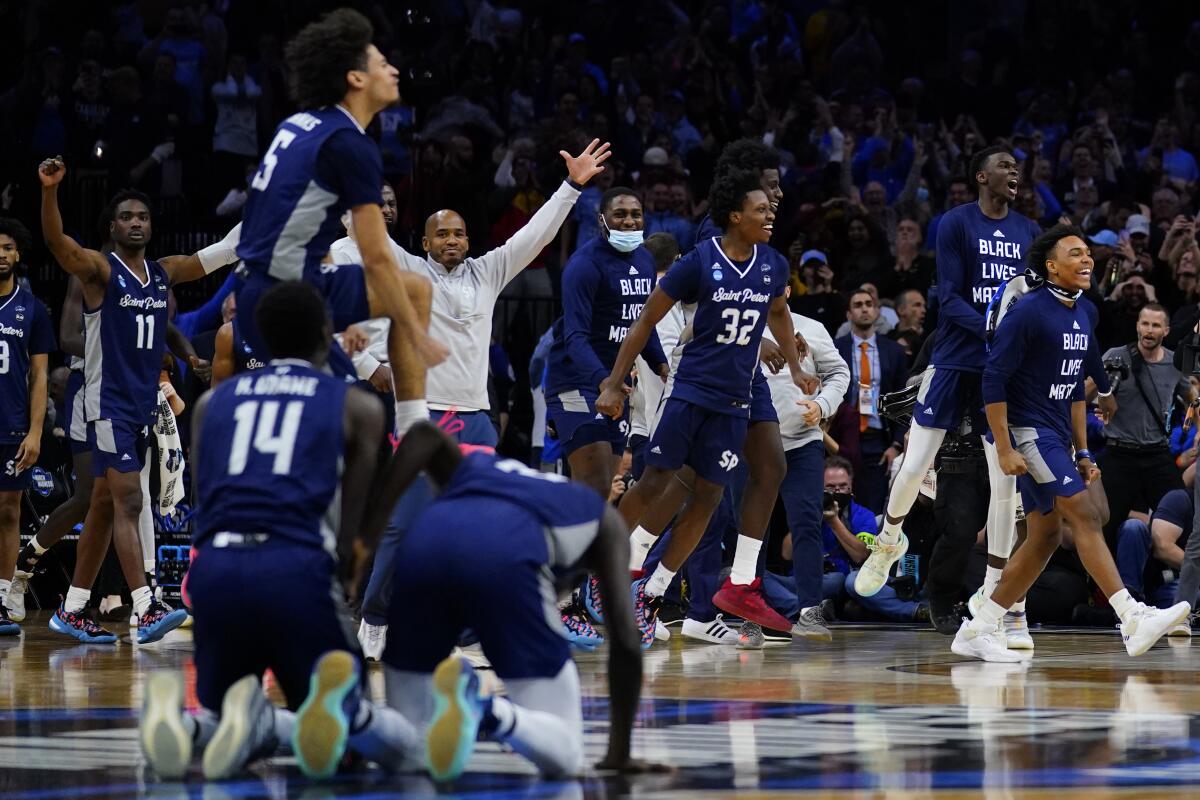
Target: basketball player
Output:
{"points": [[125, 321], [320, 164], [605, 286], [1033, 390], [26, 339], [738, 288], [279, 454], [499, 579], [979, 246]]}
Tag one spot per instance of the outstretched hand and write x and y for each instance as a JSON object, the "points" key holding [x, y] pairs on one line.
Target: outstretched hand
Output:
{"points": [[585, 166]]}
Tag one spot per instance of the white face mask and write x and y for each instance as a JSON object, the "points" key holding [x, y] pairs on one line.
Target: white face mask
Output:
{"points": [[623, 241]]}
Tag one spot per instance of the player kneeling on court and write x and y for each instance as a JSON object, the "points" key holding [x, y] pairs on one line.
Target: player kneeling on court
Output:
{"points": [[1033, 391], [280, 455]]}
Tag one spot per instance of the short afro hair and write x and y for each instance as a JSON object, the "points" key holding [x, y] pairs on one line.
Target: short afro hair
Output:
{"points": [[123, 196], [321, 54], [979, 160], [1043, 246], [606, 199], [749, 154], [728, 194], [292, 319], [16, 231]]}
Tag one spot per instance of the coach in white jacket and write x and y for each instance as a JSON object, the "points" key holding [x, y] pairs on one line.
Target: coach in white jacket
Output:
{"points": [[803, 488]]}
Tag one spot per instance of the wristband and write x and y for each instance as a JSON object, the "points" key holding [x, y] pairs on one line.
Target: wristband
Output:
{"points": [[1080, 455], [576, 186], [1104, 394], [223, 252]]}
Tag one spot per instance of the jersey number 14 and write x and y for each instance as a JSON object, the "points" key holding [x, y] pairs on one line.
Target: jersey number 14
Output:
{"points": [[256, 427]]}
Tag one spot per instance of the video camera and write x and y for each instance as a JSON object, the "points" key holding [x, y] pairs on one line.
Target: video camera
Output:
{"points": [[1117, 371]]}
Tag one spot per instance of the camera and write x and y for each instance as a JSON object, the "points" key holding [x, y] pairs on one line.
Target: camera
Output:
{"points": [[1117, 371]]}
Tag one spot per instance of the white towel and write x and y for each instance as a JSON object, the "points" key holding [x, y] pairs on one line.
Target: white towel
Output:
{"points": [[170, 458]]}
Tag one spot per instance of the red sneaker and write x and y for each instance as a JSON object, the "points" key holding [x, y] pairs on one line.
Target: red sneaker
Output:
{"points": [[747, 602]]}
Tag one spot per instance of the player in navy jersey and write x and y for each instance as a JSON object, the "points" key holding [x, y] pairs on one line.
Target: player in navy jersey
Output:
{"points": [[1033, 391], [26, 337], [738, 286], [979, 246], [320, 164], [283, 459], [605, 285], [500, 580], [125, 319]]}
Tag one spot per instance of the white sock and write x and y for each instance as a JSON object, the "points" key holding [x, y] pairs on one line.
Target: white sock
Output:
{"points": [[76, 599], [141, 599], [891, 532], [37, 546], [409, 413], [506, 716], [1123, 603], [988, 617], [659, 581], [4, 587], [640, 542], [1018, 607], [745, 560], [385, 737], [544, 738], [991, 579]]}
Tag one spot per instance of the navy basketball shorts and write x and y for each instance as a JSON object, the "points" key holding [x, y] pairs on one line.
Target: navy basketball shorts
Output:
{"points": [[75, 423], [761, 407], [575, 421], [117, 444], [946, 397], [708, 442], [491, 578], [275, 606], [10, 479], [1052, 473]]}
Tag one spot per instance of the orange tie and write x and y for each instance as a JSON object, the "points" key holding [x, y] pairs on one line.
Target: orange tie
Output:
{"points": [[864, 379]]}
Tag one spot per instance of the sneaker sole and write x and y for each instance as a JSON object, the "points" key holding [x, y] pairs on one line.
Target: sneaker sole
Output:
{"points": [[1179, 617], [322, 731], [451, 737], [166, 745], [704, 637], [807, 633], [1020, 643], [1178, 632], [966, 651], [59, 626], [228, 751], [164, 626], [587, 645]]}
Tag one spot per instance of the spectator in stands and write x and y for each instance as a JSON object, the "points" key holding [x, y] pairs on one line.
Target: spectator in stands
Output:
{"points": [[235, 135]]}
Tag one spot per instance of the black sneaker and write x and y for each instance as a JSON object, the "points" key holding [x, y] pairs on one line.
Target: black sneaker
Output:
{"points": [[946, 617], [27, 561]]}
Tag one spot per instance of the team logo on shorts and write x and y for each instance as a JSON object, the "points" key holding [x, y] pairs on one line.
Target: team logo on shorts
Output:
{"points": [[729, 461]]}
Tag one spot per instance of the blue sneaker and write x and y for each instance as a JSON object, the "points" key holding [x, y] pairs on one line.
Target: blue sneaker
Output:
{"points": [[580, 632], [7, 626], [591, 599], [79, 625], [158, 621], [645, 611], [458, 713], [323, 721]]}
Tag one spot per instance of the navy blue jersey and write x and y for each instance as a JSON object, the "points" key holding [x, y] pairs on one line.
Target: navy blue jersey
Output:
{"points": [[25, 331], [604, 291], [568, 511], [345, 290], [1036, 363], [975, 254], [124, 341], [319, 164], [271, 456], [718, 364]]}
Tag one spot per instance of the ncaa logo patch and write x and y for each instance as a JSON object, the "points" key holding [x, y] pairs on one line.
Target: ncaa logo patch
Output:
{"points": [[43, 484], [716, 272], [121, 280]]}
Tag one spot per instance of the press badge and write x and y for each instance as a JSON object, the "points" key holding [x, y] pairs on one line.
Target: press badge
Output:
{"points": [[866, 400]]}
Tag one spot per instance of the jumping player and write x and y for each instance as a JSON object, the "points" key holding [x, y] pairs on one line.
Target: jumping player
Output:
{"points": [[739, 288], [26, 339], [283, 458], [1033, 390], [320, 163]]}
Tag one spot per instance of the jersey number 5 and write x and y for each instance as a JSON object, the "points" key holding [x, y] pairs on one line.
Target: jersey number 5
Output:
{"points": [[258, 421], [739, 324], [263, 176]]}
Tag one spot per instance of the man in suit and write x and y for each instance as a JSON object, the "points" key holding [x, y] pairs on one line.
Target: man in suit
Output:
{"points": [[877, 366]]}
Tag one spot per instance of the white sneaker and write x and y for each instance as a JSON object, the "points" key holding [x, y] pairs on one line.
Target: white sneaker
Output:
{"points": [[1147, 625], [976, 601], [715, 632], [986, 646], [373, 639], [873, 574], [661, 632], [1016, 631], [14, 601]]}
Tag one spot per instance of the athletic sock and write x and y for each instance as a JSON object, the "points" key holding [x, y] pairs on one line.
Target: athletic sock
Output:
{"points": [[141, 599], [386, 736], [745, 560], [991, 579], [640, 542], [1123, 603], [409, 413], [1018, 607], [659, 581], [891, 532], [76, 599], [503, 716], [988, 617], [37, 546]]}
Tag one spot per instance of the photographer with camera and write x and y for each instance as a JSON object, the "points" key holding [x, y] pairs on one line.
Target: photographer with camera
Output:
{"points": [[1137, 465]]}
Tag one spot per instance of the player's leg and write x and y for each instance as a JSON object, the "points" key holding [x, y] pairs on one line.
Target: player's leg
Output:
{"points": [[655, 515], [146, 522], [594, 464], [546, 720], [408, 368], [10, 519], [1001, 522], [70, 618]]}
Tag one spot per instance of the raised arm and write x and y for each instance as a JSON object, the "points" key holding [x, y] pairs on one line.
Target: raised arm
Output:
{"points": [[87, 265]]}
